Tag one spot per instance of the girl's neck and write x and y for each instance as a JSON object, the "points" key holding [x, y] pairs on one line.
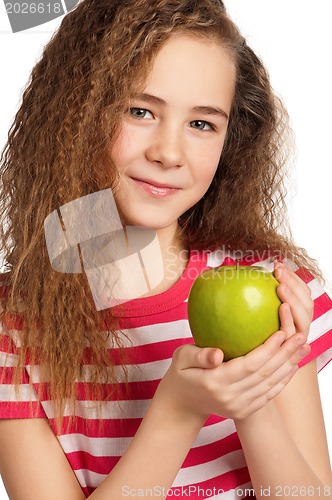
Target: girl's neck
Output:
{"points": [[175, 257]]}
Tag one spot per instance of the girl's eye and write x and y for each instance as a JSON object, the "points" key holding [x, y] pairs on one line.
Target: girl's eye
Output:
{"points": [[140, 113], [201, 125]]}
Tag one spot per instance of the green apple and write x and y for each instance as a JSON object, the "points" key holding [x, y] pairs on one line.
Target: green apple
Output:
{"points": [[235, 308]]}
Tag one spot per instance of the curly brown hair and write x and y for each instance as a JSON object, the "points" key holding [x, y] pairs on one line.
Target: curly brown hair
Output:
{"points": [[57, 152]]}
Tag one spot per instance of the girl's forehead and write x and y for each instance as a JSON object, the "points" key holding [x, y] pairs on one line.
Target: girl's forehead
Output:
{"points": [[180, 53], [191, 68]]}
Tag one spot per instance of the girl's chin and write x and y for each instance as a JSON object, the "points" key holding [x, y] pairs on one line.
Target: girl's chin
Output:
{"points": [[148, 221], [151, 225]]}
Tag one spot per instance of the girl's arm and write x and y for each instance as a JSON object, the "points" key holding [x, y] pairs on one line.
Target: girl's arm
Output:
{"points": [[197, 383], [285, 442], [32, 463]]}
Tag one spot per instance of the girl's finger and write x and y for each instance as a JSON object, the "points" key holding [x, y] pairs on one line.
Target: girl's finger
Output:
{"points": [[278, 375], [272, 378], [191, 356], [259, 357], [263, 398], [283, 273], [295, 291], [287, 292], [276, 352], [294, 282], [286, 320], [301, 310]]}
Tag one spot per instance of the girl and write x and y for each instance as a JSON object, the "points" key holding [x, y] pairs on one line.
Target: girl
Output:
{"points": [[164, 103]]}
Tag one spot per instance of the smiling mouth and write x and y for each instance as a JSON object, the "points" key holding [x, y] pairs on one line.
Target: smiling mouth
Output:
{"points": [[157, 191], [155, 183]]}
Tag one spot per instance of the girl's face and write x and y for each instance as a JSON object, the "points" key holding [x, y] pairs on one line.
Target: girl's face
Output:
{"points": [[173, 133]]}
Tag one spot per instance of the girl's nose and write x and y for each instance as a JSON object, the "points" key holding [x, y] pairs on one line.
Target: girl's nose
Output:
{"points": [[167, 148]]}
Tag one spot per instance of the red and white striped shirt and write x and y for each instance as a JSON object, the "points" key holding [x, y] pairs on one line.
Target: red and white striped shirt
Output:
{"points": [[215, 466]]}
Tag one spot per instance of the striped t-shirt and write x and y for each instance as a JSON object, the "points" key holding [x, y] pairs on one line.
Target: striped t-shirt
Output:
{"points": [[215, 466]]}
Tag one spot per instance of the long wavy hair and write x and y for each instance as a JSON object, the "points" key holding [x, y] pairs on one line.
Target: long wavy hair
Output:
{"points": [[57, 152]]}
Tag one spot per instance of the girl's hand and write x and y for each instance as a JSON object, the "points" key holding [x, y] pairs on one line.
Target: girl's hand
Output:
{"points": [[296, 295], [198, 382]]}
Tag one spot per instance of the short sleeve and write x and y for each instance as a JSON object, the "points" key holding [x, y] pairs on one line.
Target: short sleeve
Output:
{"points": [[320, 333], [16, 401]]}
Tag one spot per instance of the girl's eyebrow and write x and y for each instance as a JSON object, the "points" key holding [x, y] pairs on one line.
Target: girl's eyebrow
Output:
{"points": [[208, 110]]}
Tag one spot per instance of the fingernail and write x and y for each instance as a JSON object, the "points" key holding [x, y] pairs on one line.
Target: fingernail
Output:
{"points": [[301, 340], [304, 351], [215, 356], [284, 271], [281, 271]]}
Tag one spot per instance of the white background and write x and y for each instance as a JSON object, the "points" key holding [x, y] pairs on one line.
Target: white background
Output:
{"points": [[293, 38]]}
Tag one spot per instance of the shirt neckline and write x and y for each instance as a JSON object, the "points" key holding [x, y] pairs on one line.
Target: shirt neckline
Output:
{"points": [[168, 299]]}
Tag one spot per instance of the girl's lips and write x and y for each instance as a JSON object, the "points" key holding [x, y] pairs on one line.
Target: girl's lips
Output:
{"points": [[155, 191]]}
